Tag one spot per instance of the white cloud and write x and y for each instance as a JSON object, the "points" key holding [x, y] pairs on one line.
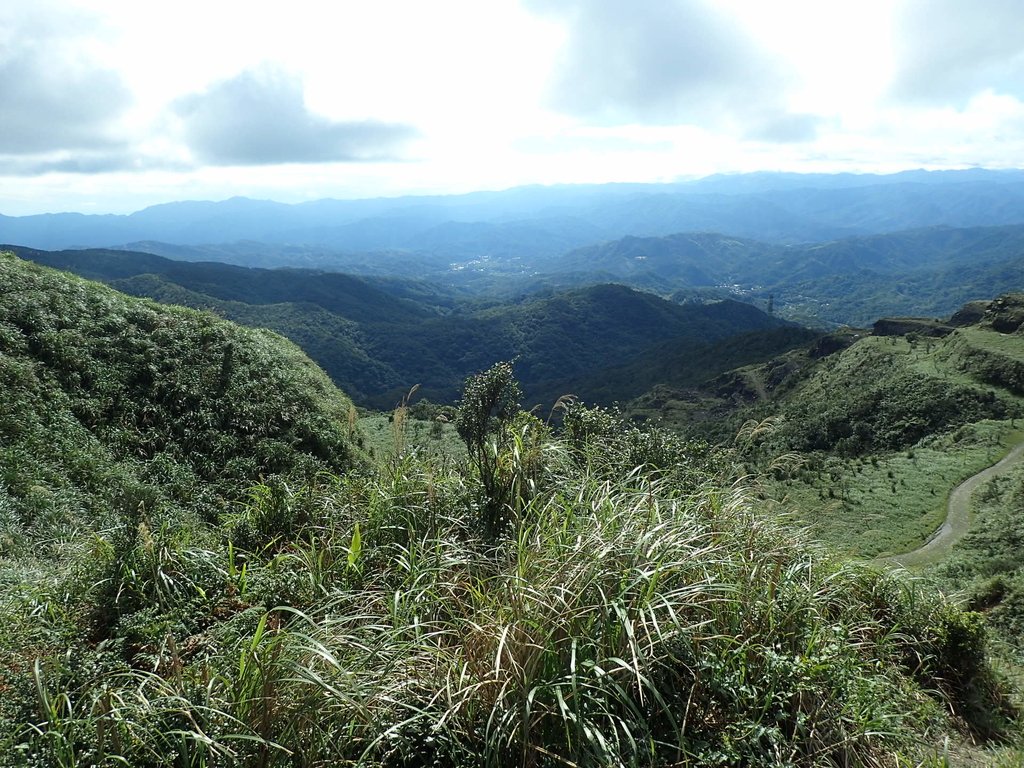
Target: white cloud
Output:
{"points": [[120, 104], [56, 95], [948, 51], [685, 61], [260, 117]]}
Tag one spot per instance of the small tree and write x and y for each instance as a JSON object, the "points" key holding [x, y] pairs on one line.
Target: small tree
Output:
{"points": [[489, 405]]}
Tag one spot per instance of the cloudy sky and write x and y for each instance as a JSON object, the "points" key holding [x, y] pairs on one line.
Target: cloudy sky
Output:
{"points": [[113, 105]]}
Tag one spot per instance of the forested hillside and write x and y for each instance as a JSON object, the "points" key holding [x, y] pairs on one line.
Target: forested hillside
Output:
{"points": [[377, 338], [199, 570], [117, 403], [851, 281], [848, 281]]}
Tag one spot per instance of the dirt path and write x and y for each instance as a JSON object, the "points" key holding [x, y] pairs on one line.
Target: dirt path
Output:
{"points": [[958, 516]]}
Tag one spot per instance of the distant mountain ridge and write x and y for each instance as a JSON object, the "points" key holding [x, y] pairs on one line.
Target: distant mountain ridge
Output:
{"points": [[388, 293], [853, 280], [526, 221]]}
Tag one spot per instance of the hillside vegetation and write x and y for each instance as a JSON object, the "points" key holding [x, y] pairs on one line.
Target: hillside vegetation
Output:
{"points": [[828, 249], [109, 398], [607, 595], [130, 429], [851, 281], [866, 434], [378, 338]]}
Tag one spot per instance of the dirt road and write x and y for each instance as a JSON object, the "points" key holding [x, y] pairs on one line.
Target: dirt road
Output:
{"points": [[958, 516]]}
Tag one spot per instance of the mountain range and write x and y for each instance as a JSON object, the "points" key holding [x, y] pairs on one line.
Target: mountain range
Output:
{"points": [[200, 560], [528, 222], [578, 283]]}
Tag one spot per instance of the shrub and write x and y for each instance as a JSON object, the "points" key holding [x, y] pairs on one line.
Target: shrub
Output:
{"points": [[489, 404]]}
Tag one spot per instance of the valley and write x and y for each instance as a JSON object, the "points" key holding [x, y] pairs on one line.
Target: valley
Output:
{"points": [[512, 384], [509, 484]]}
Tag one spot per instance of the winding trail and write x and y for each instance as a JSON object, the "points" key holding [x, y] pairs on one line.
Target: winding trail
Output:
{"points": [[958, 516]]}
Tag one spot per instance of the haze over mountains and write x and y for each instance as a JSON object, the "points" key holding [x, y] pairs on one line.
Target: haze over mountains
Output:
{"points": [[535, 221], [388, 293]]}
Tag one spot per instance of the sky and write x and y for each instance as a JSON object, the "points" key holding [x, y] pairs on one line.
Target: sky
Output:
{"points": [[113, 105]]}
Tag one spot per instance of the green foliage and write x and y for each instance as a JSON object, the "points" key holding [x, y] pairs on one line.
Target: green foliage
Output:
{"points": [[127, 428], [621, 623], [871, 438], [620, 604], [993, 357], [489, 402], [892, 412], [986, 563], [374, 337], [686, 363], [611, 445], [120, 402], [484, 420], [885, 503]]}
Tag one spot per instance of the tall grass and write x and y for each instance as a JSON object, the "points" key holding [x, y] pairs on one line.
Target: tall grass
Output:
{"points": [[629, 620]]}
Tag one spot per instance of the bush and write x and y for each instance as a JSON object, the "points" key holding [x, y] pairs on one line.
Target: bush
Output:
{"points": [[613, 446], [489, 404]]}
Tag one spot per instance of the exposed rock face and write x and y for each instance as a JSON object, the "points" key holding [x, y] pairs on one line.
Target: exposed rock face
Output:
{"points": [[833, 342], [1006, 314], [971, 313], [900, 326]]}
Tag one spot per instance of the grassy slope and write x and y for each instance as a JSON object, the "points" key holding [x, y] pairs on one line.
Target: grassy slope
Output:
{"points": [[130, 429], [873, 436], [141, 390], [643, 618], [619, 621], [986, 563], [906, 446], [890, 503]]}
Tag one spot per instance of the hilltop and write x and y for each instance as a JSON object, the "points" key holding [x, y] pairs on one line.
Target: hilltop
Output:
{"points": [[877, 426]]}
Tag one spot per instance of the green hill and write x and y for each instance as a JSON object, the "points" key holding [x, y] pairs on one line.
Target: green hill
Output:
{"points": [[198, 570], [873, 430], [690, 362], [370, 299], [559, 341], [119, 407], [853, 280], [378, 338]]}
